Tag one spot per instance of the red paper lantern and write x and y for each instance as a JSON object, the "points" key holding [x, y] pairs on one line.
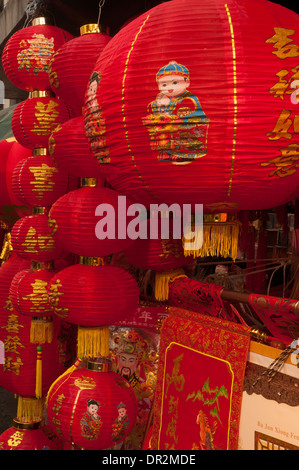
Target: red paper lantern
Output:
{"points": [[90, 409], [73, 221], [93, 295], [11, 206], [32, 240], [70, 150], [28, 292], [34, 120], [71, 66], [27, 436], [27, 54], [166, 130], [39, 181]]}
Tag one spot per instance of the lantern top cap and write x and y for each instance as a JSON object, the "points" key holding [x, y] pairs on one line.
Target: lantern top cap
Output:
{"points": [[92, 28], [173, 68], [40, 20]]}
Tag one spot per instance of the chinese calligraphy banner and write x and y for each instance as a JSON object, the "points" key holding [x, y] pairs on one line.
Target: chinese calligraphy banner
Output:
{"points": [[200, 383]]}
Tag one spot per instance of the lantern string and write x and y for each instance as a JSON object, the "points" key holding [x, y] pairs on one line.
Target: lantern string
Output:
{"points": [[101, 4]]}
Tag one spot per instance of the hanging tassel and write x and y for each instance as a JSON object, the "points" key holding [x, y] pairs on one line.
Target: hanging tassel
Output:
{"points": [[30, 409], [218, 239], [93, 342], [162, 280], [39, 378], [6, 248], [41, 330], [67, 372]]}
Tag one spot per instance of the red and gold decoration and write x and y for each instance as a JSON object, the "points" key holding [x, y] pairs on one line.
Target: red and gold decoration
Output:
{"points": [[34, 119], [72, 65], [27, 54], [32, 240], [165, 133], [70, 150], [39, 181], [199, 412], [73, 219], [27, 436], [91, 408]]}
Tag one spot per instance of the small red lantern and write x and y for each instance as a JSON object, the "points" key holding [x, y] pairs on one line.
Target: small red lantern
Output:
{"points": [[166, 131], [34, 119], [28, 291], [71, 66], [27, 54], [39, 181], [70, 150], [32, 240], [93, 295], [73, 222], [92, 408], [27, 436]]}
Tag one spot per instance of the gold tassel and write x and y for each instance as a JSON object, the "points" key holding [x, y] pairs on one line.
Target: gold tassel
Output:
{"points": [[93, 342], [39, 374], [6, 248], [67, 372], [162, 280], [218, 239], [41, 330], [30, 409]]}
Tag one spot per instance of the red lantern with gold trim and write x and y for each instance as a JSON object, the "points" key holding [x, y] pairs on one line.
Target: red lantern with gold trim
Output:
{"points": [[73, 220], [34, 119], [93, 295], [27, 54], [32, 240], [92, 408], [27, 436], [71, 66], [70, 150], [168, 131], [39, 181]]}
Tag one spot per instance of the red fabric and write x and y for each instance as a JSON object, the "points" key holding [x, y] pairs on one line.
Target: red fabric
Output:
{"points": [[19, 439], [31, 239], [72, 66], [73, 222], [200, 383], [34, 120], [234, 157], [93, 295], [27, 55], [277, 314], [28, 292], [69, 413], [39, 181], [69, 149]]}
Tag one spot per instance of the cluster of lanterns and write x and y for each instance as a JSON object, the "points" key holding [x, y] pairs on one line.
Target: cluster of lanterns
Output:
{"points": [[165, 132]]}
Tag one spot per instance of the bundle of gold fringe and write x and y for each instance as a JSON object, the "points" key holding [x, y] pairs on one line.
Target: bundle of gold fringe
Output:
{"points": [[93, 342]]}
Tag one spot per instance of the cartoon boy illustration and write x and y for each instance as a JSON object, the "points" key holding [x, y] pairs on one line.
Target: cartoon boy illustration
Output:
{"points": [[177, 124], [121, 424], [91, 422]]}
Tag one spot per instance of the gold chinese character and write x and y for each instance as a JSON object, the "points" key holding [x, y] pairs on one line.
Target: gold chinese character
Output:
{"points": [[281, 127], [32, 241], [284, 45], [15, 439], [46, 116], [42, 179], [287, 163], [54, 295], [11, 365], [171, 248], [39, 297], [12, 325], [11, 344], [283, 86]]}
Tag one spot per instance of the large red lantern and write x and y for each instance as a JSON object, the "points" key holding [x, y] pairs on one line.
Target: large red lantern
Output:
{"points": [[196, 103], [39, 181], [73, 220], [32, 240], [27, 436], [71, 66], [70, 150], [34, 119], [27, 54], [93, 295], [91, 408]]}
